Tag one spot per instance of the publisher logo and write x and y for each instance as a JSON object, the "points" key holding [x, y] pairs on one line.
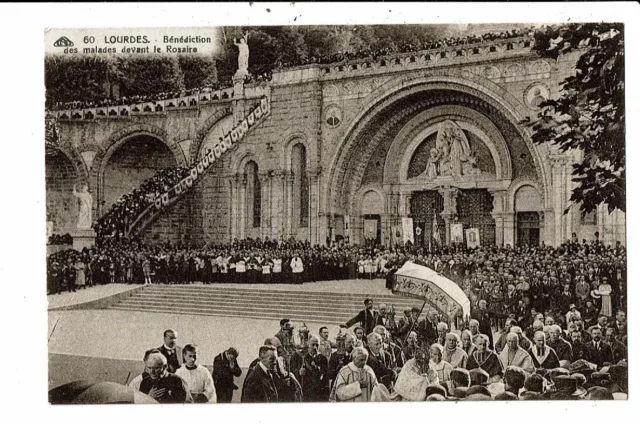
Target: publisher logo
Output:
{"points": [[63, 42]]}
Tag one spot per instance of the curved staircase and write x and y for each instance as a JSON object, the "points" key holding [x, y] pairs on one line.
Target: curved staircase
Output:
{"points": [[258, 113]]}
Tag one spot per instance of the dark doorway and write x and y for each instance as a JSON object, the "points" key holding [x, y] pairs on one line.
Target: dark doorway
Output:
{"points": [[528, 224]]}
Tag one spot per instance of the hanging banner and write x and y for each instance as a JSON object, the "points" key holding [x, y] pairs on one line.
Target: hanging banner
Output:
{"points": [[371, 229], [396, 232], [473, 238], [407, 230], [456, 233]]}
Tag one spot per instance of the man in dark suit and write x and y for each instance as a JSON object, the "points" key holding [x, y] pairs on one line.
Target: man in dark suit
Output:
{"points": [[225, 368], [366, 317], [481, 314], [617, 347], [313, 374], [598, 351], [428, 328], [260, 384], [578, 348], [171, 350]]}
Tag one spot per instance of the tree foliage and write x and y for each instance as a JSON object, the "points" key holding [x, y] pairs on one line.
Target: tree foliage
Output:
{"points": [[590, 114]]}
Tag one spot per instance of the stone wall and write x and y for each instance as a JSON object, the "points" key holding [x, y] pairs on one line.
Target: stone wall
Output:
{"points": [[62, 206]]}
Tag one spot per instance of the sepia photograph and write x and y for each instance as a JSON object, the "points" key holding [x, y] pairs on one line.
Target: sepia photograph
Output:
{"points": [[336, 213]]}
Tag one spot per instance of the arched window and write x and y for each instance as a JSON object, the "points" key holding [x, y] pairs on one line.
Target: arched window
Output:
{"points": [[254, 194], [300, 184]]}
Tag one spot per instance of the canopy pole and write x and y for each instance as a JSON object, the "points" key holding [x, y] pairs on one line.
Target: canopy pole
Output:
{"points": [[413, 324]]}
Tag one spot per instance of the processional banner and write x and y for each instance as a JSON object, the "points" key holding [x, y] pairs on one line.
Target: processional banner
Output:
{"points": [[473, 238], [370, 229]]}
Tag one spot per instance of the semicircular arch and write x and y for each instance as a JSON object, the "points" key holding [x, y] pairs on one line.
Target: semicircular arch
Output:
{"points": [[404, 86]]}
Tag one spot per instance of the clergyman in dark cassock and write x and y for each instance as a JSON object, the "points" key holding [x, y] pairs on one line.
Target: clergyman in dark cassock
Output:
{"points": [[542, 355], [485, 358]]}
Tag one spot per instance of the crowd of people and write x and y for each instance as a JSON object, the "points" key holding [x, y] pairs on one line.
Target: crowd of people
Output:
{"points": [[137, 99], [115, 222], [545, 323], [408, 48], [60, 239], [410, 359]]}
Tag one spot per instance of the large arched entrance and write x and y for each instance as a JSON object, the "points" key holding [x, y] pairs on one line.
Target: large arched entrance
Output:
{"points": [[137, 159], [393, 146]]}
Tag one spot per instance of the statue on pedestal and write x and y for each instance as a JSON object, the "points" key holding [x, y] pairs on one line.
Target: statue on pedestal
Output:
{"points": [[86, 203], [243, 55]]}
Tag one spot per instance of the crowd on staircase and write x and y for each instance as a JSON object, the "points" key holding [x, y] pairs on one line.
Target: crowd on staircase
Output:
{"points": [[115, 222]]}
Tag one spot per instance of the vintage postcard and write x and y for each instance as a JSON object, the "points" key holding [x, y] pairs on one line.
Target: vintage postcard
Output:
{"points": [[353, 212]]}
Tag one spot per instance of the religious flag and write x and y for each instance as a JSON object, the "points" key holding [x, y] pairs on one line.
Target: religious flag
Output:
{"points": [[407, 230], [473, 238], [456, 233], [434, 232], [371, 229]]}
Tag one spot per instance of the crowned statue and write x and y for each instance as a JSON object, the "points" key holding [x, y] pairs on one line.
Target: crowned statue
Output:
{"points": [[243, 54]]}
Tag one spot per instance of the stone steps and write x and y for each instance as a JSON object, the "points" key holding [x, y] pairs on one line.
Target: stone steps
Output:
{"points": [[328, 308]]}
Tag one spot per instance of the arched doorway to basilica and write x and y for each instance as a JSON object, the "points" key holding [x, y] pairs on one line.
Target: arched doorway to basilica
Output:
{"points": [[451, 158]]}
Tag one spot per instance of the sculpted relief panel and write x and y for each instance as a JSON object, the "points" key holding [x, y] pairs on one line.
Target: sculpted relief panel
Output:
{"points": [[451, 157]]}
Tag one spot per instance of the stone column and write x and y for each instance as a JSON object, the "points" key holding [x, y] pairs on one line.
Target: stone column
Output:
{"points": [[404, 203], [243, 206], [289, 179], [265, 206], [509, 224], [323, 228], [498, 214], [277, 196], [234, 198], [313, 178], [558, 163]]}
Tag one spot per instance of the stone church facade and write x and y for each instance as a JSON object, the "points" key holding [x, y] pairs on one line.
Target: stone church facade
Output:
{"points": [[435, 136]]}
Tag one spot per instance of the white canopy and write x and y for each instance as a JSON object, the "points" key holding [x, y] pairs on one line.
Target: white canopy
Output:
{"points": [[421, 282]]}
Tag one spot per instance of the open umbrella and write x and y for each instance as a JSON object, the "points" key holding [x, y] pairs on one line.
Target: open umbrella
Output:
{"points": [[86, 392]]}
